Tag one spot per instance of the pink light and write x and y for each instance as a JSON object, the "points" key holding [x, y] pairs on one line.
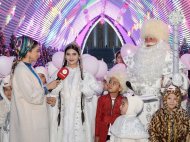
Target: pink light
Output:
{"points": [[13, 10], [125, 5], [82, 2], [85, 11], [102, 21]]}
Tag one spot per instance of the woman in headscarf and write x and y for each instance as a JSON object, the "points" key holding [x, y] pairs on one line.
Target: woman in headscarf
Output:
{"points": [[29, 116], [170, 123]]}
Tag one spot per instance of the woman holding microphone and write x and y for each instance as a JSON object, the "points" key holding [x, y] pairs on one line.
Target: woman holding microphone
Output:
{"points": [[29, 115]]}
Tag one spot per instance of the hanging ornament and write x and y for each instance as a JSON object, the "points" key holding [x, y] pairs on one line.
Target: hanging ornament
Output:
{"points": [[85, 11]]}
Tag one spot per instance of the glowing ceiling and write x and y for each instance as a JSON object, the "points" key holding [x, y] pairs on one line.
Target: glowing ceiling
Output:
{"points": [[58, 22]]}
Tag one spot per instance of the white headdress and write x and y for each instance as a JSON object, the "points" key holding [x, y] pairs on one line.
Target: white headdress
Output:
{"points": [[122, 78], [156, 29], [135, 104]]}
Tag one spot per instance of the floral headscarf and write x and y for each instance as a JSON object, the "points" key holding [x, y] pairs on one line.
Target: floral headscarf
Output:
{"points": [[23, 45]]}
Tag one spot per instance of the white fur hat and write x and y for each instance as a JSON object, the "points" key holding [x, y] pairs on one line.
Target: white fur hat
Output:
{"points": [[122, 78], [42, 70], [135, 105], [156, 29], [6, 81]]}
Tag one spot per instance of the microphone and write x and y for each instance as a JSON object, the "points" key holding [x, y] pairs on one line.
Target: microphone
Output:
{"points": [[62, 74]]}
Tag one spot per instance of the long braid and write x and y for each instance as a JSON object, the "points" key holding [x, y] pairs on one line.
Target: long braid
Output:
{"points": [[82, 95], [59, 97], [15, 64]]}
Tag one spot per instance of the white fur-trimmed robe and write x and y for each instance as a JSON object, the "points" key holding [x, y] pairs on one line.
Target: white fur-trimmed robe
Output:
{"points": [[71, 128], [29, 116], [151, 88]]}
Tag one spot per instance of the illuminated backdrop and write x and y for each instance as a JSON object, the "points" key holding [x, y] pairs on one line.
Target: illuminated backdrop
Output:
{"points": [[58, 22]]}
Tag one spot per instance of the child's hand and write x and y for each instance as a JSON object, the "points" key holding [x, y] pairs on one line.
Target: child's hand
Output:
{"points": [[51, 101]]}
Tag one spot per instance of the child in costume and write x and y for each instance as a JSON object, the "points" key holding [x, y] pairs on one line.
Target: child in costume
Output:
{"points": [[128, 127], [108, 106], [170, 123], [5, 103]]}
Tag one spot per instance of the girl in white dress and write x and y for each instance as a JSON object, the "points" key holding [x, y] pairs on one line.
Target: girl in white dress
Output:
{"points": [[77, 96]]}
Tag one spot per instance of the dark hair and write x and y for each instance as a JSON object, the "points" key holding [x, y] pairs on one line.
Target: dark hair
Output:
{"points": [[128, 84], [75, 47], [117, 54]]}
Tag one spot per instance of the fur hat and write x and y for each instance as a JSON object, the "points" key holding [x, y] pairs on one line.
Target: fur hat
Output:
{"points": [[122, 78], [156, 29]]}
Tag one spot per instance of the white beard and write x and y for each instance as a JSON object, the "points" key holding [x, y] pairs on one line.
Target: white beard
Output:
{"points": [[149, 63]]}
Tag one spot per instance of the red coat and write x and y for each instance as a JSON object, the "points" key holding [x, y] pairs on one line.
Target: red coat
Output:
{"points": [[105, 115]]}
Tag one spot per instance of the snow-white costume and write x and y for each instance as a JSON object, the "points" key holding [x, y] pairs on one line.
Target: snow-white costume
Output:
{"points": [[128, 128], [71, 128], [152, 66], [4, 111]]}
